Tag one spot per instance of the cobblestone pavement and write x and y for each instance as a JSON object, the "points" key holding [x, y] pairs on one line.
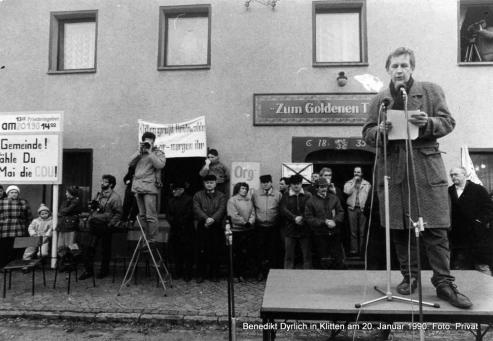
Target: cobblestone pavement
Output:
{"points": [[190, 307]]}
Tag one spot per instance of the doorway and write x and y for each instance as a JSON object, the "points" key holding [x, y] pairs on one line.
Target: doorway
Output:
{"points": [[77, 171]]}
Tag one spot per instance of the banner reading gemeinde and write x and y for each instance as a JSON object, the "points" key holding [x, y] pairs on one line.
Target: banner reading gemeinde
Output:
{"points": [[31, 147], [185, 139]]}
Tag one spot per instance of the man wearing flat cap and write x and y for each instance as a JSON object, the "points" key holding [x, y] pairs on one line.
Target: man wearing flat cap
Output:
{"points": [[323, 214], [182, 234], [292, 209], [268, 240], [209, 208], [15, 217]]}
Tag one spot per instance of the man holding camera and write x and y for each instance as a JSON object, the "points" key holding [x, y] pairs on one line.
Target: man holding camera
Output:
{"points": [[215, 167], [148, 162], [106, 213], [483, 33]]}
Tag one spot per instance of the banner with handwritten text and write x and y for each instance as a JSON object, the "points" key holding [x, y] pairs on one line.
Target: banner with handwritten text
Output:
{"points": [[31, 148], [185, 139]]}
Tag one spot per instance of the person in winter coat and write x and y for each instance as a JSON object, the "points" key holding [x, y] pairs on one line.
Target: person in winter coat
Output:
{"points": [[433, 119], [242, 214], [42, 226], [182, 234], [15, 216], [68, 217], [297, 230], [324, 214], [209, 208], [471, 234]]}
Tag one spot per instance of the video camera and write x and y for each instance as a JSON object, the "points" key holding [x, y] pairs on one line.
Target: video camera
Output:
{"points": [[476, 27], [144, 145]]}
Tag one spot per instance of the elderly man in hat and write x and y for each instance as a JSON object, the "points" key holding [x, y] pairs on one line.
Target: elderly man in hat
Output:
{"points": [[209, 208], [297, 231], [182, 234], [15, 217], [266, 203], [323, 214]]}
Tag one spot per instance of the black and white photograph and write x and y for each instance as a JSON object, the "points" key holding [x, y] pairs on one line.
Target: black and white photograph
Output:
{"points": [[246, 170]]}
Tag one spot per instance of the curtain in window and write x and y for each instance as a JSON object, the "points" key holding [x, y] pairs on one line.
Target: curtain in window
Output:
{"points": [[337, 37], [79, 45], [187, 41]]}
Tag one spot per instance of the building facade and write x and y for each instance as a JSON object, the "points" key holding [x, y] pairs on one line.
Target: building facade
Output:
{"points": [[106, 64]]}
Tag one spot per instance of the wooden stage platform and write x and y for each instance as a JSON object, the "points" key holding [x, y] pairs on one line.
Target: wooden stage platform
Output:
{"points": [[331, 295]]}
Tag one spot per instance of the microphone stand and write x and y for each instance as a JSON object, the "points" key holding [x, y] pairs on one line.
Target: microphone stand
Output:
{"points": [[231, 293], [419, 225], [388, 296]]}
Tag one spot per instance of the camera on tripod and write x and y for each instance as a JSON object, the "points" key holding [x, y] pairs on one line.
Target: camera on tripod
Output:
{"points": [[474, 28]]}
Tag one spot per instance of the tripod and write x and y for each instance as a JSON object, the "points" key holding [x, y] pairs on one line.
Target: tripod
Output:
{"points": [[472, 51], [388, 296], [164, 277]]}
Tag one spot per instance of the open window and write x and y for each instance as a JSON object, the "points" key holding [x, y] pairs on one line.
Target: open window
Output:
{"points": [[475, 32]]}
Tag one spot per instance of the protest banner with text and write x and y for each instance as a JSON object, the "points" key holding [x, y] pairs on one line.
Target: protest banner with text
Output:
{"points": [[31, 147], [185, 139]]}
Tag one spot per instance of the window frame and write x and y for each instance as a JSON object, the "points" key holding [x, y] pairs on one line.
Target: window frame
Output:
{"points": [[335, 6], [478, 152], [460, 5], [192, 11], [57, 19]]}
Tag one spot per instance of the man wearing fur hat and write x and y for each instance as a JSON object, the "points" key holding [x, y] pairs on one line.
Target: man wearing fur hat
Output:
{"points": [[15, 216], [42, 226]]}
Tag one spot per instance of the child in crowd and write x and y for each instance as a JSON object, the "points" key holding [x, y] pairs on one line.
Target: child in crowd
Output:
{"points": [[42, 226]]}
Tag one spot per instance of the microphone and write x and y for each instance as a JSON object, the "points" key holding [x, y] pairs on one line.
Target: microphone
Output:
{"points": [[386, 102], [403, 91]]}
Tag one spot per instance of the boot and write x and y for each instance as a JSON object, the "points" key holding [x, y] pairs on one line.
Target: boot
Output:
{"points": [[407, 287], [450, 293]]}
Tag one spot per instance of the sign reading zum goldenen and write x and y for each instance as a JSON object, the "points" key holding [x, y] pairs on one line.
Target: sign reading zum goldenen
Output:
{"points": [[311, 109]]}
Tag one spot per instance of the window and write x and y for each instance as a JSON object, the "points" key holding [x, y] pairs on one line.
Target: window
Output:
{"points": [[339, 33], [73, 42], [482, 160], [184, 37], [475, 32]]}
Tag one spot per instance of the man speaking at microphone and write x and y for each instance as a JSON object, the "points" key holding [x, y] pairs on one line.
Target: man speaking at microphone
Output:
{"points": [[434, 121]]}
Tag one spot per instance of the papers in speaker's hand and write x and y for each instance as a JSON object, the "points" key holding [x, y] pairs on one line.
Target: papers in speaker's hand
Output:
{"points": [[399, 125]]}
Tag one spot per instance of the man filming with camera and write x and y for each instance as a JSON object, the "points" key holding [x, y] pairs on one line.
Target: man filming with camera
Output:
{"points": [[106, 213], [148, 162]]}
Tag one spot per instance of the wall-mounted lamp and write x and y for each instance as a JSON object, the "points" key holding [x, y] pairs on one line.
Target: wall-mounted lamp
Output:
{"points": [[271, 3], [341, 79]]}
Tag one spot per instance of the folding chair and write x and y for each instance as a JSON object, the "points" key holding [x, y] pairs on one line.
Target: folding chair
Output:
{"points": [[24, 265], [68, 269]]}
